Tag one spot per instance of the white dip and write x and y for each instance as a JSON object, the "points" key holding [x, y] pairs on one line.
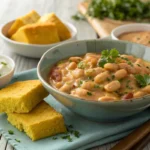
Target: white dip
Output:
{"points": [[5, 67]]}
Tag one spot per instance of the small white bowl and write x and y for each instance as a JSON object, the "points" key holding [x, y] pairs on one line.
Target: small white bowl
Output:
{"points": [[4, 80], [32, 50], [129, 28]]}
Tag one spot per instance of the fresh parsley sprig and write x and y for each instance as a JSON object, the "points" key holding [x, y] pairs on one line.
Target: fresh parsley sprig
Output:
{"points": [[143, 80], [120, 9], [108, 56]]}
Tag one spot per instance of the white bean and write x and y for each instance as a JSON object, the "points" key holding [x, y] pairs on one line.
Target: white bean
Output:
{"points": [[101, 77], [120, 74], [112, 86], [111, 66]]}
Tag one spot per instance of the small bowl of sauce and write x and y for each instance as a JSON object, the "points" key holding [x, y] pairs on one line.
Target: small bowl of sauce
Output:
{"points": [[137, 33], [7, 67]]}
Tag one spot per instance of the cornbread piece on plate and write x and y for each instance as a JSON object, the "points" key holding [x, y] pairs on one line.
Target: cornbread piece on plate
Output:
{"points": [[29, 18], [45, 33], [21, 97], [63, 31], [41, 122]]}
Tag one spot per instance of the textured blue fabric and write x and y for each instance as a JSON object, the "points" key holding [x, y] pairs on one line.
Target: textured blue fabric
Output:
{"points": [[92, 133]]}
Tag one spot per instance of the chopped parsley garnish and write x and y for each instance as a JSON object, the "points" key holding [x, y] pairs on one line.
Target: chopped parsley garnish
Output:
{"points": [[148, 41], [82, 65], [89, 93], [130, 63], [70, 126], [108, 79], [54, 138], [96, 86], [125, 58], [108, 56], [17, 140], [90, 78], [67, 137], [3, 63], [139, 65], [143, 80], [78, 16], [11, 132], [76, 134], [127, 85], [113, 76], [80, 83], [147, 67]]}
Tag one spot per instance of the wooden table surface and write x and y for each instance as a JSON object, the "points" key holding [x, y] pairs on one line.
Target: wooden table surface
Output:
{"points": [[11, 9]]}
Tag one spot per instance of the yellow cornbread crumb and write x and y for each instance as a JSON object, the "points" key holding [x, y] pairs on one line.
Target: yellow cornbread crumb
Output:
{"points": [[41, 122], [37, 34], [63, 31], [21, 97], [29, 18]]}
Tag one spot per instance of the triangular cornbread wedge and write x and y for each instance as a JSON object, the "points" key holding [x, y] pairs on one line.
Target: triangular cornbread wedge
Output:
{"points": [[41, 122], [45, 33], [63, 31], [29, 18], [21, 97]]}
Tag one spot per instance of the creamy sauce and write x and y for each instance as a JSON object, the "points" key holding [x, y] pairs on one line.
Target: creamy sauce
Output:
{"points": [[82, 77], [5, 67], [137, 37]]}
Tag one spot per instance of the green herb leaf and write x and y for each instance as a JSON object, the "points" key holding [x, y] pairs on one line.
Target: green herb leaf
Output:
{"points": [[54, 138], [120, 9], [108, 56], [82, 65], [17, 140], [143, 80], [3, 63], [78, 16], [80, 83], [77, 134], [89, 93], [10, 132]]}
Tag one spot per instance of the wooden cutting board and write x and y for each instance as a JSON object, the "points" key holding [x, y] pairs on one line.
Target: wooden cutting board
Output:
{"points": [[102, 27]]}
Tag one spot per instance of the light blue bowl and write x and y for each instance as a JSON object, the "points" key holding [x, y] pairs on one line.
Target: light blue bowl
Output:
{"points": [[94, 110]]}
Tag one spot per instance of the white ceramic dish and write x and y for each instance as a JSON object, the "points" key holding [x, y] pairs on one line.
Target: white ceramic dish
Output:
{"points": [[32, 50], [129, 28], [5, 79]]}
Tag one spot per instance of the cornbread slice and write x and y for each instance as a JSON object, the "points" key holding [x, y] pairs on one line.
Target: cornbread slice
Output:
{"points": [[29, 18], [41, 122], [63, 31], [37, 34], [21, 97]]}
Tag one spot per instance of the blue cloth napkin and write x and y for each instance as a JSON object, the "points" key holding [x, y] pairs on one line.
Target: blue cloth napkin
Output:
{"points": [[92, 133]]}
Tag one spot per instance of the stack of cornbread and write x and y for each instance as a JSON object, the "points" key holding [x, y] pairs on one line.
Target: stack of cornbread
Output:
{"points": [[26, 110], [34, 29]]}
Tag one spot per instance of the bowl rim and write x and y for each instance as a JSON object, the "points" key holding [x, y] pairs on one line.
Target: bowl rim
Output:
{"points": [[12, 68], [126, 26], [69, 25], [80, 99]]}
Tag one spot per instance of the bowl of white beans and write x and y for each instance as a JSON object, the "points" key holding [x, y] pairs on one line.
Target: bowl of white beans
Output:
{"points": [[102, 80]]}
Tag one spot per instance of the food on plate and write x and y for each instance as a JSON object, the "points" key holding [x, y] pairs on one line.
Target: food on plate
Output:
{"points": [[37, 33], [141, 37], [5, 67], [29, 18], [63, 31], [133, 10], [33, 29], [105, 76], [22, 96], [41, 122]]}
